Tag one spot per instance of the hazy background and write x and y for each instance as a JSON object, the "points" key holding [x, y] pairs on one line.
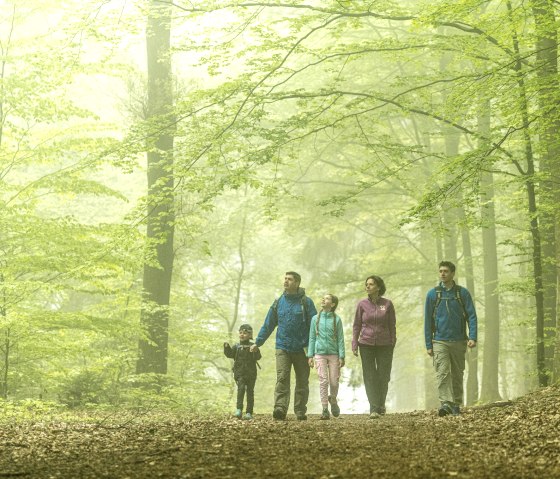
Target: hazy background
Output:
{"points": [[162, 165]]}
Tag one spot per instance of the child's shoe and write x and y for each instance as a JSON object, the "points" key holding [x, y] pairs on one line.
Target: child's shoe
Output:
{"points": [[325, 414], [238, 413], [334, 407], [248, 416]]}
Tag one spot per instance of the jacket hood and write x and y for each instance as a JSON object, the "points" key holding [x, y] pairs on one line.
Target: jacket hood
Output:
{"points": [[299, 294]]}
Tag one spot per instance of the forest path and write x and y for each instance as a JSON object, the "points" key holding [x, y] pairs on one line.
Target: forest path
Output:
{"points": [[521, 440]]}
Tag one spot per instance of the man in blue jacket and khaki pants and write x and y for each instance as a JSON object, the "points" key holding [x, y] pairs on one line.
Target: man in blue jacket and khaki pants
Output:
{"points": [[449, 310], [291, 314]]}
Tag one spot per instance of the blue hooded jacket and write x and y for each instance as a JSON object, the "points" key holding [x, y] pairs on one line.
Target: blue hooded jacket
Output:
{"points": [[293, 328], [449, 318]]}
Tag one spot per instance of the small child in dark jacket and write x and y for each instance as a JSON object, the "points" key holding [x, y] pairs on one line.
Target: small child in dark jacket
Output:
{"points": [[244, 369]]}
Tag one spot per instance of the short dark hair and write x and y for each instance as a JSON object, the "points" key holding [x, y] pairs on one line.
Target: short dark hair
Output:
{"points": [[448, 264], [296, 276], [379, 282]]}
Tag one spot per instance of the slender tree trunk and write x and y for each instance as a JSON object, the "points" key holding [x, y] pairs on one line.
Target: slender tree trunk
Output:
{"points": [[161, 217], [491, 352], [533, 211], [472, 353], [549, 166], [427, 279], [5, 350], [241, 272], [450, 215], [489, 390], [430, 244], [7, 346]]}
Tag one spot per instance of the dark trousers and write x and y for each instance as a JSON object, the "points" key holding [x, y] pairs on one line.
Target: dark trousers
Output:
{"points": [[284, 362], [376, 368], [246, 385]]}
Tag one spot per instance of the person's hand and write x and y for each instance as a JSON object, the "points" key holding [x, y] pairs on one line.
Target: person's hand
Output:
{"points": [[310, 362], [341, 362], [430, 352], [253, 348], [471, 343], [355, 352]]}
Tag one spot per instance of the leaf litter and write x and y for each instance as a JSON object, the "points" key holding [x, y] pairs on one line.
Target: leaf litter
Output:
{"points": [[517, 439]]}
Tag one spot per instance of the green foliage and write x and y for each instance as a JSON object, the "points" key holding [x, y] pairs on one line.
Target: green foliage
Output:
{"points": [[312, 137]]}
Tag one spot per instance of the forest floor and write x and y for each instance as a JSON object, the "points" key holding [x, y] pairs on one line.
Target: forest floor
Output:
{"points": [[520, 439]]}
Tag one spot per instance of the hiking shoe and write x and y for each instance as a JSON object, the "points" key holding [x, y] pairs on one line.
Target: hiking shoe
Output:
{"points": [[325, 414], [238, 413], [381, 410], [374, 415], [278, 414], [248, 416], [455, 410], [445, 409], [301, 417], [334, 407]]}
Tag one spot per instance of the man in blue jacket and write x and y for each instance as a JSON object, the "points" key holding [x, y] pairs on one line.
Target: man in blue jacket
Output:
{"points": [[292, 314], [448, 311]]}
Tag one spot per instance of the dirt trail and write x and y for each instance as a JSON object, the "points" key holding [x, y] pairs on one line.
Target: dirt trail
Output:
{"points": [[521, 440]]}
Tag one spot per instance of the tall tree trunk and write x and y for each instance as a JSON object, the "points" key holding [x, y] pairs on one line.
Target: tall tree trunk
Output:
{"points": [[161, 217], [5, 349], [489, 391], [472, 353], [427, 280], [450, 215], [532, 209], [549, 166]]}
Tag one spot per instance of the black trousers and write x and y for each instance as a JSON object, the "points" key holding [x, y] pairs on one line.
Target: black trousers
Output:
{"points": [[246, 385], [376, 369]]}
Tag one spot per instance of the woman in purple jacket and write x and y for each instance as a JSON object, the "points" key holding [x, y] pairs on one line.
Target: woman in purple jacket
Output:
{"points": [[374, 334]]}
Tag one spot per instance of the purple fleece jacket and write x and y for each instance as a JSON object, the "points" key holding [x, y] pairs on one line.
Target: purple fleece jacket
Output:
{"points": [[374, 323]]}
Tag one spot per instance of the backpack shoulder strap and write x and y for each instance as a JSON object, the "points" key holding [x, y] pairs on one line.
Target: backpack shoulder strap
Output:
{"points": [[460, 299], [275, 310], [236, 349], [439, 293], [304, 308]]}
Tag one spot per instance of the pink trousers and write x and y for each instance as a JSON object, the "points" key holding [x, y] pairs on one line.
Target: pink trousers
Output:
{"points": [[328, 369]]}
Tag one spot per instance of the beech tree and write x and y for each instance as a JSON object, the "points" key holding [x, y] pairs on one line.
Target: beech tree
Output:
{"points": [[158, 265]]}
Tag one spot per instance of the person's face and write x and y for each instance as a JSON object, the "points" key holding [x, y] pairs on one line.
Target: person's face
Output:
{"points": [[445, 274], [372, 288], [327, 303], [244, 335], [290, 284]]}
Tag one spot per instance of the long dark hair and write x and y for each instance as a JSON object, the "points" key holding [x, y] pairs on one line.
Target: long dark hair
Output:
{"points": [[334, 300]]}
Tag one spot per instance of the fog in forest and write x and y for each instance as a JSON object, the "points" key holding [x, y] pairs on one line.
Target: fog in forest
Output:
{"points": [[163, 164]]}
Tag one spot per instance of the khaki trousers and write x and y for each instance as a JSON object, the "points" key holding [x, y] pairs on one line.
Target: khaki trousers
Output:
{"points": [[284, 362], [449, 363]]}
